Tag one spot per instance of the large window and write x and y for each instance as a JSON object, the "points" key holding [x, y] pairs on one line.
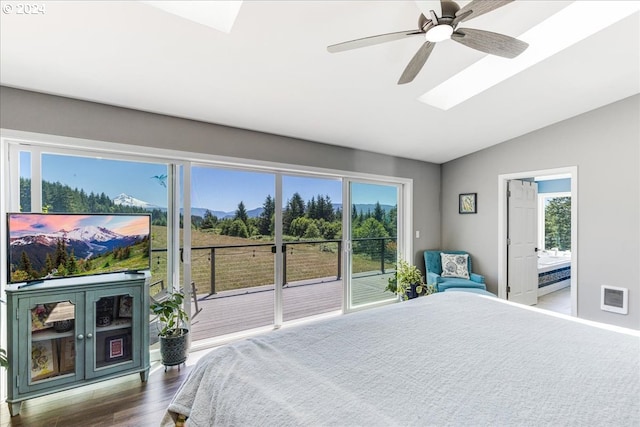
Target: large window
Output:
{"points": [[65, 181], [258, 247]]}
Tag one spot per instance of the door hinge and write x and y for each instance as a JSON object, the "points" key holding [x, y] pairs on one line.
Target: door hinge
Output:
{"points": [[508, 288], [17, 313], [508, 193], [508, 241]]}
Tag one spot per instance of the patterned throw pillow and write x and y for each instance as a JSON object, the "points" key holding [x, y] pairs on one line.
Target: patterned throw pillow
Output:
{"points": [[455, 265]]}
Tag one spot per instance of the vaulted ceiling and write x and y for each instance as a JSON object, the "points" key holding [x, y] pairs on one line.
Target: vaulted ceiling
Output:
{"points": [[272, 73]]}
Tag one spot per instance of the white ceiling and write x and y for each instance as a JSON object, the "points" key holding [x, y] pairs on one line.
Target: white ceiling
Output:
{"points": [[272, 72]]}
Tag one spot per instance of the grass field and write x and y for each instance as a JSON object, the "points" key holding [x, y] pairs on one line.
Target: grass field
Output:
{"points": [[247, 266]]}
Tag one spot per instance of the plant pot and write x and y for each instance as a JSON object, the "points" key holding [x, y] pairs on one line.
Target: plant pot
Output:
{"points": [[411, 292], [174, 349]]}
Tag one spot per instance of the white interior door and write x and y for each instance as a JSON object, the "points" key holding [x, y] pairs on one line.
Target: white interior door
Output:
{"points": [[522, 267]]}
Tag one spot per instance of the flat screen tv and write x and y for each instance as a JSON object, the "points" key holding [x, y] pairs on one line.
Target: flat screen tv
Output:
{"points": [[54, 245]]}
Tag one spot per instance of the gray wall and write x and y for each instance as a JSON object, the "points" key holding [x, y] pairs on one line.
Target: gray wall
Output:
{"points": [[604, 144], [36, 112]]}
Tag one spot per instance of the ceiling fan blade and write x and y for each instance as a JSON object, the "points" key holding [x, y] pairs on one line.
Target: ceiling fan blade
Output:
{"points": [[493, 43], [449, 8], [372, 40], [416, 63], [477, 8]]}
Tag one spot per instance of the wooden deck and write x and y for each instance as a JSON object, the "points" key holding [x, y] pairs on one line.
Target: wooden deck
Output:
{"points": [[235, 311]]}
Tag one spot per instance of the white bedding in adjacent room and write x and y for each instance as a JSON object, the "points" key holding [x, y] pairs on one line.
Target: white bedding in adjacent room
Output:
{"points": [[452, 358]]}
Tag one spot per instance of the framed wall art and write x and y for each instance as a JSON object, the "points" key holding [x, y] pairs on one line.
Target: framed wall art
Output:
{"points": [[468, 203]]}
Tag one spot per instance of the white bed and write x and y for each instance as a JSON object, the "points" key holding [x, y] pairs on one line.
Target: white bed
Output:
{"points": [[452, 358]]}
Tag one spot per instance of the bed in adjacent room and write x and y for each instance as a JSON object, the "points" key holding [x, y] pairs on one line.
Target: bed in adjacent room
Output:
{"points": [[451, 358]]}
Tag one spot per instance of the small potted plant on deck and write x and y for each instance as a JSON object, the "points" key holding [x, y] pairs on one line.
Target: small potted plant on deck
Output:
{"points": [[174, 337]]}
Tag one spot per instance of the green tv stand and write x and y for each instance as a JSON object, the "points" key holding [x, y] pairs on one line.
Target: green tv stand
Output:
{"points": [[66, 333]]}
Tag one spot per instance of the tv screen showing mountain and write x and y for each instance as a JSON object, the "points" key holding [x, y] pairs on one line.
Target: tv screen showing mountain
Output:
{"points": [[49, 246]]}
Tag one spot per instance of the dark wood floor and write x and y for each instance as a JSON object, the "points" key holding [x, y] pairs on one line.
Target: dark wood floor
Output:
{"points": [[123, 401]]}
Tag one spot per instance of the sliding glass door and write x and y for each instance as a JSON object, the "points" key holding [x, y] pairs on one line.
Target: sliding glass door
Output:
{"points": [[232, 258], [373, 234], [311, 246]]}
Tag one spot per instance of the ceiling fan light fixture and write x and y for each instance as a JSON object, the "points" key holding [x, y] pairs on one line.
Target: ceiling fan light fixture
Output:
{"points": [[439, 33]]}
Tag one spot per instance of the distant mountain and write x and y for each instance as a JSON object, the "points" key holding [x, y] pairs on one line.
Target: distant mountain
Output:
{"points": [[253, 213], [85, 242], [126, 200]]}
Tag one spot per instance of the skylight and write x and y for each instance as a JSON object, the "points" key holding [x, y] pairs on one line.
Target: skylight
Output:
{"points": [[219, 15], [570, 25]]}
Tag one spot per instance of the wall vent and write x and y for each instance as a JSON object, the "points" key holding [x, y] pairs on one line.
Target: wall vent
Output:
{"points": [[614, 299]]}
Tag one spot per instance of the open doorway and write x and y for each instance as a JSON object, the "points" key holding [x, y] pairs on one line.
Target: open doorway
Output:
{"points": [[556, 245]]}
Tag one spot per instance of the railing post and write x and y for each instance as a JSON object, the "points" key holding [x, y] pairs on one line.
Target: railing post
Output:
{"points": [[339, 260], [382, 254], [284, 264], [213, 271]]}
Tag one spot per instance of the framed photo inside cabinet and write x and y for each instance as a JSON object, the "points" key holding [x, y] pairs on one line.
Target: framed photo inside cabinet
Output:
{"points": [[125, 307], [67, 355], [116, 348], [44, 359], [468, 203], [40, 317]]}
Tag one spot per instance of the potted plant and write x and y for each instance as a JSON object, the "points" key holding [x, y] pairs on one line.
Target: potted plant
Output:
{"points": [[407, 282], [174, 337], [4, 362]]}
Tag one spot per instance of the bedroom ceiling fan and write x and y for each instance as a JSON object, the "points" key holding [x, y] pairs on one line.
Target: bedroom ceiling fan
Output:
{"points": [[439, 28]]}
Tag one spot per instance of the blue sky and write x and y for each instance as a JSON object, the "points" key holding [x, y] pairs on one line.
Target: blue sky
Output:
{"points": [[212, 188]]}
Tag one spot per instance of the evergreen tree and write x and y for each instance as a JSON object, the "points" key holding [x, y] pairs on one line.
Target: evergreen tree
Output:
{"points": [[49, 264], [391, 221], [338, 214], [25, 265], [312, 209], [72, 266], [378, 213], [355, 218], [60, 256], [209, 220], [328, 213], [294, 209], [557, 224], [25, 195], [265, 220], [241, 213]]}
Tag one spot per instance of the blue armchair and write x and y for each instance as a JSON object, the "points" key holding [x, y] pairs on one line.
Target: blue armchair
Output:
{"points": [[433, 265]]}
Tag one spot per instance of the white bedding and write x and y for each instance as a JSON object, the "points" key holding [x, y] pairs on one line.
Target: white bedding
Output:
{"points": [[451, 358]]}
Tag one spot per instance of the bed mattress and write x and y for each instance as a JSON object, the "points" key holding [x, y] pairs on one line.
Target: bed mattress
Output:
{"points": [[450, 358]]}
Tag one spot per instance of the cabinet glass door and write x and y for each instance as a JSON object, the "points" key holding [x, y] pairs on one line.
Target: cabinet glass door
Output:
{"points": [[53, 343], [113, 343]]}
